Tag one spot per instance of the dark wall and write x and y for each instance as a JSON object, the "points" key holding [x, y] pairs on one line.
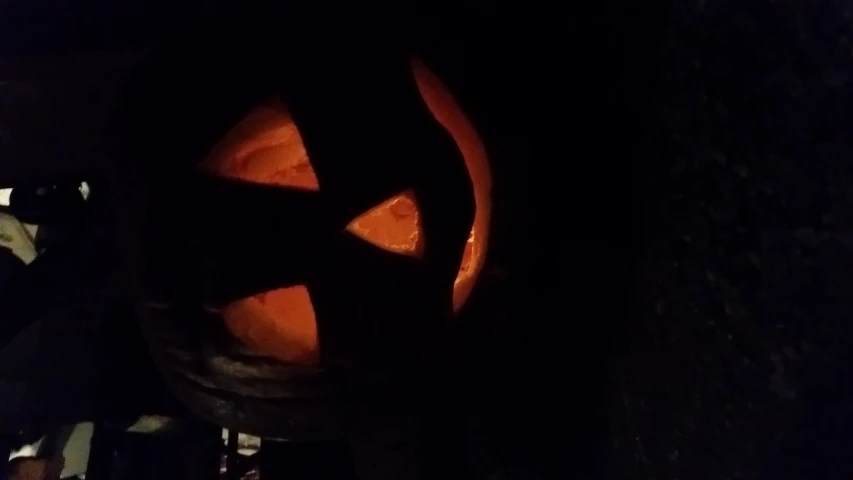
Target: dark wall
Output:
{"points": [[738, 366]]}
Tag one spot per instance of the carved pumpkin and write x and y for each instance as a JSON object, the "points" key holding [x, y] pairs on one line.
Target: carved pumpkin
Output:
{"points": [[319, 253], [266, 148]]}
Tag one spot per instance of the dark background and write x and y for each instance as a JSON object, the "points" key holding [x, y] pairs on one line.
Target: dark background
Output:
{"points": [[673, 202]]}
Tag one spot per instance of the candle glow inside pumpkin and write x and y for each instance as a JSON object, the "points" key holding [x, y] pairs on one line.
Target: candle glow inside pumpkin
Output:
{"points": [[265, 147]]}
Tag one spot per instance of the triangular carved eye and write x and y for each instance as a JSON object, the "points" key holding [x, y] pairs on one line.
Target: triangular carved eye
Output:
{"points": [[393, 225], [266, 148]]}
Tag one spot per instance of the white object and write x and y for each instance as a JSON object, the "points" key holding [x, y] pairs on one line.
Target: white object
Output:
{"points": [[76, 452], [5, 196], [151, 424], [14, 236], [246, 444]]}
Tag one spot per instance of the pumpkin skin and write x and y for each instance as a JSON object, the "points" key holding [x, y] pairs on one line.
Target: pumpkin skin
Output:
{"points": [[285, 306], [266, 148]]}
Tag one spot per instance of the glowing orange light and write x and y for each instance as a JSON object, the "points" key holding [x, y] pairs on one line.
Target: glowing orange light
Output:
{"points": [[265, 147]]}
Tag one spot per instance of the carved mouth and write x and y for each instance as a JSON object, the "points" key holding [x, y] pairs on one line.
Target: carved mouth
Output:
{"points": [[226, 383], [207, 354], [246, 371]]}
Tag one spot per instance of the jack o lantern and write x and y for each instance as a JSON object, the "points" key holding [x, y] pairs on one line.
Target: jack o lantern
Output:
{"points": [[266, 148], [331, 213]]}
